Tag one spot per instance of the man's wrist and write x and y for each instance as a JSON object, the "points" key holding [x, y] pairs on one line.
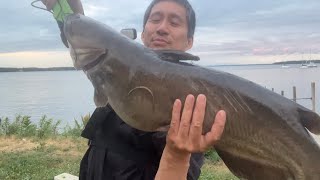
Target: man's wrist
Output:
{"points": [[176, 157], [173, 164]]}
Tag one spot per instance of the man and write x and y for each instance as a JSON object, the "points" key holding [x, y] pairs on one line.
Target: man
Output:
{"points": [[168, 24], [118, 151]]}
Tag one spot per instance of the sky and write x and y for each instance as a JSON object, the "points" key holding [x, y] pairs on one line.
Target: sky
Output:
{"points": [[227, 32]]}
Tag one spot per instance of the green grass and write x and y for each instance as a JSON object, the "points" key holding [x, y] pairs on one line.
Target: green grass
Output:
{"points": [[40, 151], [216, 171], [214, 168], [35, 165], [22, 126], [46, 160]]}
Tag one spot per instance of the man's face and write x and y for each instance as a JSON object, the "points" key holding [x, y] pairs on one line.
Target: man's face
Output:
{"points": [[167, 27]]}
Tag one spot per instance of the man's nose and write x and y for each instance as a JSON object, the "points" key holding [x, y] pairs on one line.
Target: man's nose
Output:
{"points": [[163, 28]]}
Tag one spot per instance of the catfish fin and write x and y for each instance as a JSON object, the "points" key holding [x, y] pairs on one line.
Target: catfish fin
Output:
{"points": [[309, 120], [100, 99]]}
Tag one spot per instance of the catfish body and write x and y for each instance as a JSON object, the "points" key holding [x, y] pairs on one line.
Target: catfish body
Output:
{"points": [[265, 135]]}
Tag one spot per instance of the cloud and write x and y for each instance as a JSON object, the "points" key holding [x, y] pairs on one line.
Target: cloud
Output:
{"points": [[225, 29], [36, 59]]}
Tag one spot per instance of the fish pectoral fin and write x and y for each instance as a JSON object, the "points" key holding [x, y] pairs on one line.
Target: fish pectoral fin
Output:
{"points": [[100, 99], [310, 120]]}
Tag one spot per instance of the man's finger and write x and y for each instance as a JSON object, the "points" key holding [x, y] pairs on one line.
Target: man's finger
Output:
{"points": [[197, 120], [175, 118], [186, 117], [216, 130]]}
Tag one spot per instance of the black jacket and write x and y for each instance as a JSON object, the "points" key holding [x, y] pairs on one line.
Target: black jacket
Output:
{"points": [[119, 152]]}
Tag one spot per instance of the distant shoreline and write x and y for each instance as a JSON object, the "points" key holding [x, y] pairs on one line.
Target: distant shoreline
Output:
{"points": [[31, 69], [297, 62]]}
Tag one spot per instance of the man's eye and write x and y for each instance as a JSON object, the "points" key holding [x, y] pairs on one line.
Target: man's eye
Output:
{"points": [[174, 23], [154, 20]]}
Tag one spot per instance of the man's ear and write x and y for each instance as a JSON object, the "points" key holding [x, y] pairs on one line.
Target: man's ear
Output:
{"points": [[142, 36], [190, 43]]}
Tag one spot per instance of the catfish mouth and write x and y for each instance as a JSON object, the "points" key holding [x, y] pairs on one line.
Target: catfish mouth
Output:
{"points": [[95, 62]]}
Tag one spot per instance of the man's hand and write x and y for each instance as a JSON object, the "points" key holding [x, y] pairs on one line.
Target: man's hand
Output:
{"points": [[185, 137], [49, 4], [185, 133]]}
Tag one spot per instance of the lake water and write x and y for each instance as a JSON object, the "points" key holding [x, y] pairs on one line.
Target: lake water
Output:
{"points": [[63, 95], [68, 95]]}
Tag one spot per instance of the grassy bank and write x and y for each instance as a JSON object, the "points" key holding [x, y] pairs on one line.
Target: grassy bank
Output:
{"points": [[215, 169], [40, 151], [39, 159]]}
